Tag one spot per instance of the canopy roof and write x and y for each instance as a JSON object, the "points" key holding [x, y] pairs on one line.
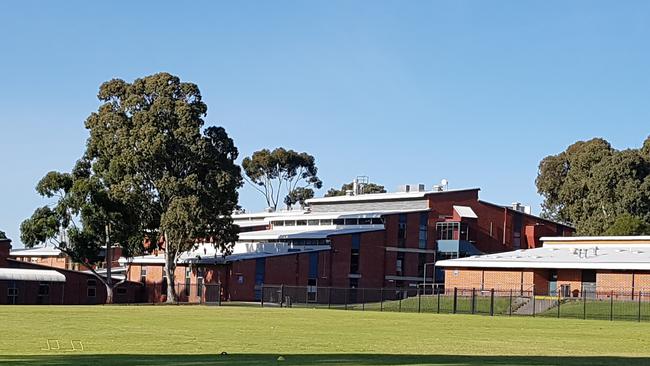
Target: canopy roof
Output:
{"points": [[22, 274]]}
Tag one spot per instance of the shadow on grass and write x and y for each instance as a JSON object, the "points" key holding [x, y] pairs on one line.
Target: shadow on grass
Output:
{"points": [[323, 359]]}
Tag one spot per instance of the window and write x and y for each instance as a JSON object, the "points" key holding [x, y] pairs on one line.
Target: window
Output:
{"points": [[452, 231], [278, 223], [143, 274], [365, 221], [199, 281], [12, 293], [312, 222], [422, 238], [43, 289], [338, 221], [290, 223], [351, 221], [399, 264], [326, 222], [91, 288], [301, 222], [401, 231], [354, 253], [377, 221], [422, 260], [188, 278]]}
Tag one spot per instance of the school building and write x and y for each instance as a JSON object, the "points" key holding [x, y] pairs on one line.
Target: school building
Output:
{"points": [[357, 240], [563, 266]]}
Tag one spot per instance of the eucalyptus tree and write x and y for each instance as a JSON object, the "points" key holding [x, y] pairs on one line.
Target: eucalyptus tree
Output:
{"points": [[148, 145], [593, 185], [281, 174], [83, 222]]}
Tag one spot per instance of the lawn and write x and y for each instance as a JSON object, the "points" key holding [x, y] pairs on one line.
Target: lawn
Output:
{"points": [[197, 335], [601, 309], [429, 304]]}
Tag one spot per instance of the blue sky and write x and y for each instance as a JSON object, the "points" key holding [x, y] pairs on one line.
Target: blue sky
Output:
{"points": [[476, 92]]}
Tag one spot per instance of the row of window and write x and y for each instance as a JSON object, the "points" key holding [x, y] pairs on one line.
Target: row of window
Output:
{"points": [[44, 291], [327, 222]]}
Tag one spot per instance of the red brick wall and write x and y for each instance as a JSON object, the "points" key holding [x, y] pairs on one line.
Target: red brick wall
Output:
{"points": [[467, 278], [242, 291], [75, 289]]}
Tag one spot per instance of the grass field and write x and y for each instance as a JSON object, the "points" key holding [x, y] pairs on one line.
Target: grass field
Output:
{"points": [[197, 335], [601, 309]]}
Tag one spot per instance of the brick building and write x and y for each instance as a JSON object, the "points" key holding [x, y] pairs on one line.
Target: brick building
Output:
{"points": [[568, 266], [37, 282], [365, 240]]}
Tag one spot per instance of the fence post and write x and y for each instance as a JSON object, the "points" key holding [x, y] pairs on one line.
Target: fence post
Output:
{"points": [[381, 304], [281, 295], [419, 299], [454, 304], [346, 298], [473, 305], [510, 310], [492, 302], [438, 301], [363, 299], [399, 308], [558, 303], [584, 304], [639, 296], [611, 306], [219, 294], [329, 297]]}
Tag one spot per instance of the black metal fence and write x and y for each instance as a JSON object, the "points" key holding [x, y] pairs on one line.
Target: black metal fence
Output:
{"points": [[611, 304]]}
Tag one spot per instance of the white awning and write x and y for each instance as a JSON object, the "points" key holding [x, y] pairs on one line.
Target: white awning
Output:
{"points": [[22, 274], [464, 211]]}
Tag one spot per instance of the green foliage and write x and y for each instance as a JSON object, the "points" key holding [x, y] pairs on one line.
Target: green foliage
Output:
{"points": [[281, 170], [147, 147], [3, 235], [591, 184], [299, 195], [627, 224], [367, 188]]}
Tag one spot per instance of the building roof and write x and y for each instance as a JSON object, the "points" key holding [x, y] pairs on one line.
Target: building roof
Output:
{"points": [[383, 196], [612, 253], [241, 252], [44, 251], [22, 274], [279, 234], [465, 211]]}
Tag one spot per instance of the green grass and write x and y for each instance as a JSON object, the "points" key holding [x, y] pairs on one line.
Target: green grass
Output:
{"points": [[601, 309], [429, 304], [196, 335]]}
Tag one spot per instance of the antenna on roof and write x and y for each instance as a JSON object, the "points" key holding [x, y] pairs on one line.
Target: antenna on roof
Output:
{"points": [[445, 184]]}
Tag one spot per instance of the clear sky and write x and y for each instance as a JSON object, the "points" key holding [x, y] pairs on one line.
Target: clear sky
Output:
{"points": [[477, 92]]}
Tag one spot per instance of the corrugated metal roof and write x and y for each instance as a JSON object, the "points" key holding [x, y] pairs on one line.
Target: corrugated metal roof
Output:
{"points": [[22, 274], [614, 257]]}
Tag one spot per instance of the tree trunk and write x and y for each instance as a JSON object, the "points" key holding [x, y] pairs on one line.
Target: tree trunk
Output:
{"points": [[108, 258], [109, 293], [170, 268]]}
